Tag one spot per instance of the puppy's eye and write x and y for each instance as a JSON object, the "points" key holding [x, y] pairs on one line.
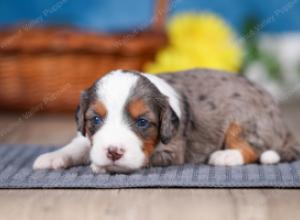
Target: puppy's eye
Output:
{"points": [[96, 120], [142, 123]]}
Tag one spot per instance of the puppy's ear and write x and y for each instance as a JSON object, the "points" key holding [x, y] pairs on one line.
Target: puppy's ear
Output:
{"points": [[169, 123], [80, 112]]}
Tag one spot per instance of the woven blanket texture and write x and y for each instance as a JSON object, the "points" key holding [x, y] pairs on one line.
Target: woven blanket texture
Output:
{"points": [[16, 172]]}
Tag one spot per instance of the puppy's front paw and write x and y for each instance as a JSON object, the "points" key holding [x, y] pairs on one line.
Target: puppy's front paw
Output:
{"points": [[52, 160], [162, 158], [97, 169], [228, 157]]}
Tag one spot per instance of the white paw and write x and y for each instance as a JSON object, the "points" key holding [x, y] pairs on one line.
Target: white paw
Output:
{"points": [[97, 169], [269, 157], [226, 158], [52, 160]]}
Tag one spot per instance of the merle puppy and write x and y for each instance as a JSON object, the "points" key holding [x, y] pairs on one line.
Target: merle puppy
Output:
{"points": [[128, 120]]}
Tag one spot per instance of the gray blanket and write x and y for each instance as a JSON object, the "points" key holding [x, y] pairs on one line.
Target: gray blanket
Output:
{"points": [[16, 172]]}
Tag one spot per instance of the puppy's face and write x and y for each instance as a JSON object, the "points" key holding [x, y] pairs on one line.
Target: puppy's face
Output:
{"points": [[125, 116]]}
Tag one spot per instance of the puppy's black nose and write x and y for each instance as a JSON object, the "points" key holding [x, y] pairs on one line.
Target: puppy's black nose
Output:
{"points": [[115, 153]]}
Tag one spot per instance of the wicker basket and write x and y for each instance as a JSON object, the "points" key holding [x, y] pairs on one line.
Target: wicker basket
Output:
{"points": [[45, 69]]}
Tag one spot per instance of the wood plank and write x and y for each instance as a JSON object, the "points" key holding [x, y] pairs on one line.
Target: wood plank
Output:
{"points": [[147, 204], [44, 129]]}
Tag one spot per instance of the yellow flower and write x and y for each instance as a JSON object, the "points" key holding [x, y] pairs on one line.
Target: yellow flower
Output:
{"points": [[198, 40]]}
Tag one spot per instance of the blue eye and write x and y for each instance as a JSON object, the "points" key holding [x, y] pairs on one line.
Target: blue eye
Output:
{"points": [[142, 123], [96, 120]]}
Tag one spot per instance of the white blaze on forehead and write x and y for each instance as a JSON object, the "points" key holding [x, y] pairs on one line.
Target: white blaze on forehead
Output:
{"points": [[114, 89], [166, 90]]}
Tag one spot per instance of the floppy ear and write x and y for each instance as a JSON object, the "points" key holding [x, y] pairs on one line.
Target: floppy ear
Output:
{"points": [[169, 123], [80, 112]]}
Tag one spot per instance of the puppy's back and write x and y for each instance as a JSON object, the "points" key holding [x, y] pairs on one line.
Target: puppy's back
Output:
{"points": [[218, 98]]}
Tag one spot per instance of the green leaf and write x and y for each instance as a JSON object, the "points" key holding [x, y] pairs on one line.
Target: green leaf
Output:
{"points": [[272, 65]]}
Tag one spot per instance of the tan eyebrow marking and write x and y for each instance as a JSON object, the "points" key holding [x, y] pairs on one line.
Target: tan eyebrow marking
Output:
{"points": [[100, 109], [137, 108]]}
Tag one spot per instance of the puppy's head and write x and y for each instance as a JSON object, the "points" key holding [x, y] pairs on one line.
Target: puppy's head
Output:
{"points": [[125, 115]]}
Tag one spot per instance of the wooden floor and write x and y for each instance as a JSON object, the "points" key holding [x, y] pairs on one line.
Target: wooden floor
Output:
{"points": [[133, 203]]}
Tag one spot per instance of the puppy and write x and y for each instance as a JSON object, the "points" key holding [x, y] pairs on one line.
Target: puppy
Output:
{"points": [[128, 120]]}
